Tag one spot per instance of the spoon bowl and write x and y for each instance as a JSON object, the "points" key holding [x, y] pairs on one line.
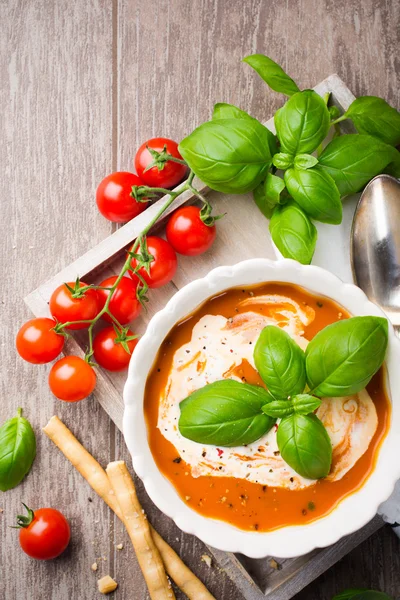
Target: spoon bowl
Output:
{"points": [[375, 247]]}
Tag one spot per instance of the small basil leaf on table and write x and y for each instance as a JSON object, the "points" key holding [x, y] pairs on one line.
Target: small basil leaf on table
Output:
{"points": [[17, 451], [225, 413], [353, 159], [305, 445], [305, 161], [343, 357], [316, 193], [304, 404], [282, 160], [268, 194], [359, 594], [229, 155], [278, 408], [272, 74], [293, 233], [374, 116], [280, 362], [302, 123], [223, 110]]}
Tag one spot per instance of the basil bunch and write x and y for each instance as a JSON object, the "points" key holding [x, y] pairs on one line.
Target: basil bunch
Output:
{"points": [[17, 451], [339, 361]]}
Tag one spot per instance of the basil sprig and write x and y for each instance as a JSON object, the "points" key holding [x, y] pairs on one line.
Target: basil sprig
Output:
{"points": [[17, 451], [339, 361]]}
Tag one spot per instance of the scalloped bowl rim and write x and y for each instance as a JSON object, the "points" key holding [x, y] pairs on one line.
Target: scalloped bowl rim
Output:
{"points": [[354, 511]]}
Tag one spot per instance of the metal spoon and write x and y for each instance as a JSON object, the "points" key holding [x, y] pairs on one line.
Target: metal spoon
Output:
{"points": [[375, 247], [375, 259]]}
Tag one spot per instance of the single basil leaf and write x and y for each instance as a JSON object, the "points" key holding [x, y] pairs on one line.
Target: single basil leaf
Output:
{"points": [[293, 233], [17, 451], [280, 362], [342, 358], [353, 159], [278, 408], [316, 193], [282, 160], [225, 413], [304, 404], [268, 194], [305, 161], [302, 123], [361, 594], [348, 594], [272, 74], [229, 111], [374, 116], [229, 155], [305, 445]]}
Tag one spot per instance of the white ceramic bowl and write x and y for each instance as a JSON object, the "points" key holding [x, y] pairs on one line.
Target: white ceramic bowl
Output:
{"points": [[353, 512]]}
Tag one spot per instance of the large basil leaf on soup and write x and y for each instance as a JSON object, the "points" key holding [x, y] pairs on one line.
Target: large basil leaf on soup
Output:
{"points": [[229, 155], [280, 362], [273, 75], [353, 160], [222, 110], [315, 191], [302, 123], [374, 116], [293, 233], [225, 413], [305, 445], [342, 358], [268, 194]]}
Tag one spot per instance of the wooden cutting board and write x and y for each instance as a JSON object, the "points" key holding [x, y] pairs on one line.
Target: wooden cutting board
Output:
{"points": [[242, 234]]}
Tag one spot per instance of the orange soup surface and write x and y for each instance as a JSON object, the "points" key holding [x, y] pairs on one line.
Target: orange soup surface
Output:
{"points": [[244, 504]]}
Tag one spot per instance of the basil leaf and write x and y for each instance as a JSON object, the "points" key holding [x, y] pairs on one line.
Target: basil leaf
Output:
{"points": [[374, 116], [359, 594], [304, 404], [225, 413], [316, 193], [268, 194], [272, 74], [305, 445], [348, 594], [229, 155], [293, 233], [353, 159], [305, 161], [278, 408], [302, 123], [17, 451], [282, 160], [342, 358], [229, 111], [280, 362]]}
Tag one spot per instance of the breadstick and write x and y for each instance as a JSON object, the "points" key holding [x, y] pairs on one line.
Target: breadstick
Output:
{"points": [[97, 478]]}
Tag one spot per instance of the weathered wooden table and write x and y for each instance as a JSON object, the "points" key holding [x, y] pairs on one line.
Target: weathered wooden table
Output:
{"points": [[83, 83]]}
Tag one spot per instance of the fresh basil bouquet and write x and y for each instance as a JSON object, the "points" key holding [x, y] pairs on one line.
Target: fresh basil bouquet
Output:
{"points": [[234, 153]]}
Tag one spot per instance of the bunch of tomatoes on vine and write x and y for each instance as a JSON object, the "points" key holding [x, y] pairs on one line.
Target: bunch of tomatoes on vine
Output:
{"points": [[151, 262]]}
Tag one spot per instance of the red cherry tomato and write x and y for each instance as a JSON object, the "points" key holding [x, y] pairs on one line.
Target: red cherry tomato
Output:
{"points": [[64, 307], [124, 304], [72, 379], [44, 533], [114, 200], [187, 233], [162, 267], [37, 342], [109, 353], [168, 174]]}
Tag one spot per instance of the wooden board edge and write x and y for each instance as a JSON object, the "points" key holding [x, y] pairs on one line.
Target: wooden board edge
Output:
{"points": [[238, 574]]}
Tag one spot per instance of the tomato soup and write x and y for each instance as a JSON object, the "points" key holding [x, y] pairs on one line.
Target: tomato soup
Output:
{"points": [[247, 504]]}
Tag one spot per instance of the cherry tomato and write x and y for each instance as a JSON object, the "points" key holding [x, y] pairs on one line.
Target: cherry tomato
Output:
{"points": [[64, 307], [114, 200], [162, 267], [168, 173], [109, 353], [124, 304], [37, 342], [44, 533], [187, 233], [72, 379]]}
